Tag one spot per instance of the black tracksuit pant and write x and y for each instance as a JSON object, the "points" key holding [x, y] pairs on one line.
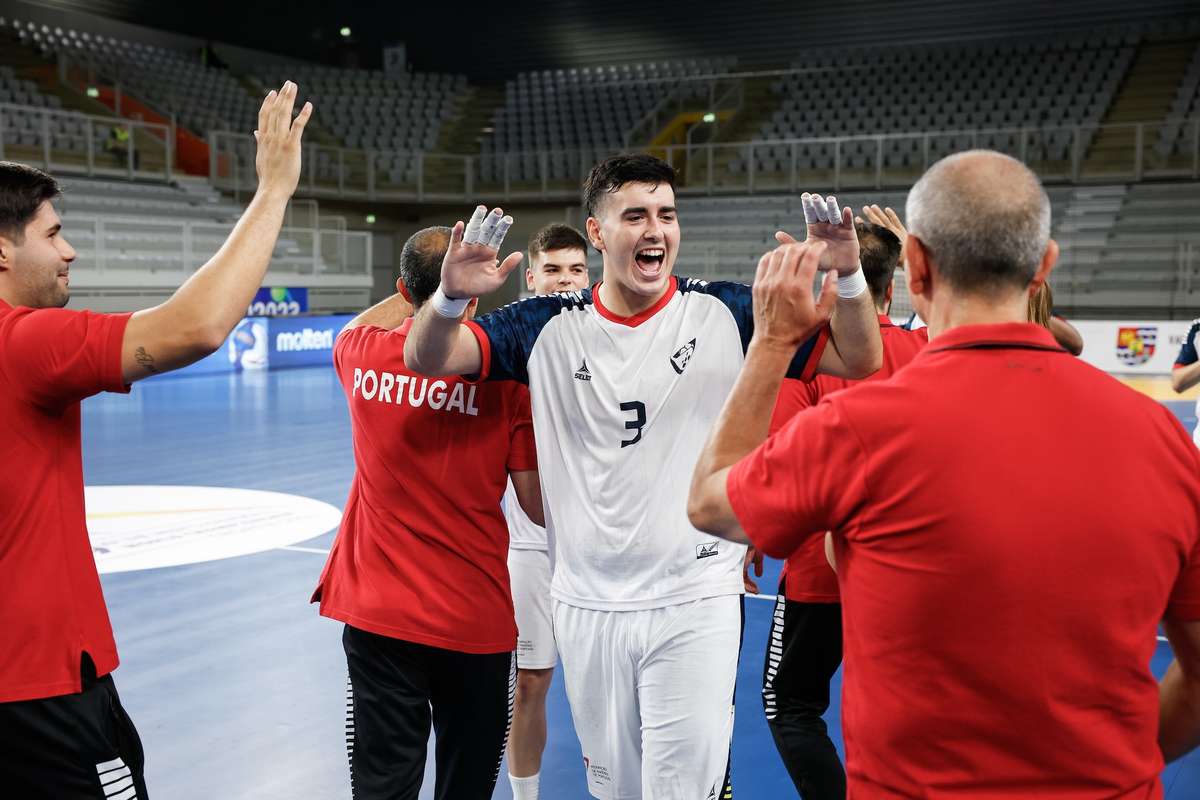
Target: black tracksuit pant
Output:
{"points": [[803, 653], [398, 690]]}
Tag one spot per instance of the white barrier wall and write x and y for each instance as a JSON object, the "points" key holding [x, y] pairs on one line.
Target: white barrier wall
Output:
{"points": [[1132, 347]]}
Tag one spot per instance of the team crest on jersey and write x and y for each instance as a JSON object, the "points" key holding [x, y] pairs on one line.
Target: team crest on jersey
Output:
{"points": [[582, 374], [1136, 344], [706, 550], [682, 356]]}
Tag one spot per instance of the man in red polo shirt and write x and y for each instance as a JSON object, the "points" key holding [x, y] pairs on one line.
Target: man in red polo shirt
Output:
{"points": [[63, 733], [1011, 524], [418, 571], [804, 647]]}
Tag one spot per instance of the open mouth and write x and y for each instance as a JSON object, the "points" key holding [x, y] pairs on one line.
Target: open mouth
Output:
{"points": [[650, 260]]}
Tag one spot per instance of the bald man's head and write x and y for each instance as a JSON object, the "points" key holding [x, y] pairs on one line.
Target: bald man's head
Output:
{"points": [[421, 262], [983, 219]]}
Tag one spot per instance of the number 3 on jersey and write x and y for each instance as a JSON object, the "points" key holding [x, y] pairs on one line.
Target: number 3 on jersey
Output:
{"points": [[639, 408]]}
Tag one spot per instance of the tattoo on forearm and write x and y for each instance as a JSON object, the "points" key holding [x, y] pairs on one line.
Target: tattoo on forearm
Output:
{"points": [[145, 360]]}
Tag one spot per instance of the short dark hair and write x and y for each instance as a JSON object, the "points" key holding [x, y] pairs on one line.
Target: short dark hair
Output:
{"points": [[556, 236], [22, 191], [421, 262], [612, 173], [879, 252]]}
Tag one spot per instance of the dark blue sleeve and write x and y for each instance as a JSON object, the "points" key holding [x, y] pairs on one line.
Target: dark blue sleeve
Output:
{"points": [[507, 335], [739, 299], [1187, 353]]}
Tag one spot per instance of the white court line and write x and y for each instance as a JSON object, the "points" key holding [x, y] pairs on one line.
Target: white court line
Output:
{"points": [[770, 597], [298, 549]]}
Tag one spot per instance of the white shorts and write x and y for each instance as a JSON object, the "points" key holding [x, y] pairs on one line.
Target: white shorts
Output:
{"points": [[651, 693], [529, 571]]}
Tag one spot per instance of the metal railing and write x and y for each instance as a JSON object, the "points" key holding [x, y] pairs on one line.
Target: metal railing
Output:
{"points": [[710, 94], [72, 142], [1065, 154], [180, 247]]}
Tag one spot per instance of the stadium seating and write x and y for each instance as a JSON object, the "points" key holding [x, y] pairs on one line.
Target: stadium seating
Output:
{"points": [[1184, 116], [369, 110], [1046, 85], [1125, 249], [172, 82], [590, 109], [22, 127]]}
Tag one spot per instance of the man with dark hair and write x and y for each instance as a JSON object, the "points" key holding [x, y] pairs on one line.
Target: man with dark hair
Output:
{"points": [[557, 263], [417, 572], [1001, 592], [626, 379], [804, 647], [63, 732]]}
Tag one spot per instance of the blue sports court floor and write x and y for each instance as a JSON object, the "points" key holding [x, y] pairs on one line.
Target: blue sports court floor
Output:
{"points": [[235, 682]]}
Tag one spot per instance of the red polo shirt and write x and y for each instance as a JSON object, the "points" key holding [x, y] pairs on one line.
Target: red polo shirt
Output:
{"points": [[51, 607], [807, 575], [1011, 524], [422, 552]]}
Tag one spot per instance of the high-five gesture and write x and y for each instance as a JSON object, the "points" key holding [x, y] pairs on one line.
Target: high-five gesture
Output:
{"points": [[471, 267], [785, 311], [278, 136], [834, 226]]}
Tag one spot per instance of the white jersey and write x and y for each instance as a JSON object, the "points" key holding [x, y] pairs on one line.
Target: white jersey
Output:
{"points": [[1188, 355], [621, 410], [523, 533]]}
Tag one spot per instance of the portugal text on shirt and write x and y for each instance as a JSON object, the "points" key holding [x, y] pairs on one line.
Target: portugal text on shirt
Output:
{"points": [[437, 394]]}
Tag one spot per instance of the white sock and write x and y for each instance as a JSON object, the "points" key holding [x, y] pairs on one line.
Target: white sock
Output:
{"points": [[525, 788]]}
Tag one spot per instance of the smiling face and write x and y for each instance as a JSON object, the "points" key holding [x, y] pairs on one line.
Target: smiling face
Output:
{"points": [[560, 270], [34, 272], [637, 231]]}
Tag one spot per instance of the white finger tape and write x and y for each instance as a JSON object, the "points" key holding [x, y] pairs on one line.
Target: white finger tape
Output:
{"points": [[471, 234], [835, 213], [501, 231], [488, 227], [810, 212]]}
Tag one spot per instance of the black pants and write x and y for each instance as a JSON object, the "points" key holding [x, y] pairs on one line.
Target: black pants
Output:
{"points": [[397, 690], [803, 653], [71, 747]]}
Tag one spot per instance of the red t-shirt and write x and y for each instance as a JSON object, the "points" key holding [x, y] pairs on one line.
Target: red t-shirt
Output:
{"points": [[1011, 524], [422, 552], [807, 576], [51, 606]]}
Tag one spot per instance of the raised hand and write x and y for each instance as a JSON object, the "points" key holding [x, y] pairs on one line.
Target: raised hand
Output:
{"points": [[277, 161], [471, 267], [785, 311], [835, 227], [890, 220]]}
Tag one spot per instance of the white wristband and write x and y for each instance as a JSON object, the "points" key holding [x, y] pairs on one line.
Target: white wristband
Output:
{"points": [[852, 285], [451, 309]]}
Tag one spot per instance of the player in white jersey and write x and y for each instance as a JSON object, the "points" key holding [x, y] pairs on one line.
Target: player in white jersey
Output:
{"points": [[627, 379], [557, 263], [1186, 372]]}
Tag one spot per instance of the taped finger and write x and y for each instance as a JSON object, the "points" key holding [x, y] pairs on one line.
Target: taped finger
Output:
{"points": [[471, 235], [810, 211], [821, 207], [489, 227], [835, 213], [501, 231]]}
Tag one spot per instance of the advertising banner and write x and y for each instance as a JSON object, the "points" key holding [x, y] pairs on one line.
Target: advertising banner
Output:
{"points": [[260, 343], [1132, 347], [279, 301]]}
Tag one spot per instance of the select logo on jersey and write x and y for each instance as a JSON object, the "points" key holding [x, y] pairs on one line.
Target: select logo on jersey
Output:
{"points": [[1136, 345], [582, 374], [706, 550], [682, 356]]}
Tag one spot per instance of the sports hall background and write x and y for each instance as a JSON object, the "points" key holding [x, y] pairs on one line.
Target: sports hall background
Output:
{"points": [[144, 110]]}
